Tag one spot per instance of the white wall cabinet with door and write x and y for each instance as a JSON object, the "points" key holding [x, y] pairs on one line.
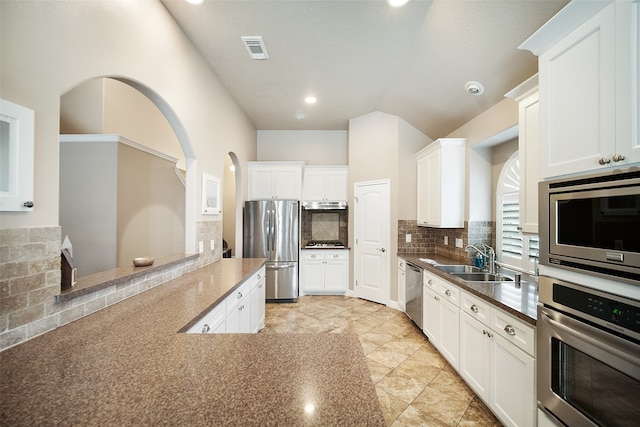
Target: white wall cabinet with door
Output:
{"points": [[326, 183], [441, 183], [275, 180], [497, 360], [402, 283], [325, 271], [527, 97], [441, 316], [588, 62]]}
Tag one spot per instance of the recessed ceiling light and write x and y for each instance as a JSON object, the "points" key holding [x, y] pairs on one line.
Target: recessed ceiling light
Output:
{"points": [[310, 100], [195, 1], [397, 3], [474, 88]]}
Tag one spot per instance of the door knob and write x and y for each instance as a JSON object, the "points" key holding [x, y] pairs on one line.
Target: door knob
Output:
{"points": [[381, 249]]}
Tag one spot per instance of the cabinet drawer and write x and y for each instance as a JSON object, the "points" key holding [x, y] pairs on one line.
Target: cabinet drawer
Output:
{"points": [[336, 255], [211, 321], [255, 279], [514, 330], [449, 292], [475, 307], [430, 281], [312, 255], [235, 298]]}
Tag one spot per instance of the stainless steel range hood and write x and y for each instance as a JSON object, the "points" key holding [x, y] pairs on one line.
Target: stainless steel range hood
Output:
{"points": [[323, 205]]}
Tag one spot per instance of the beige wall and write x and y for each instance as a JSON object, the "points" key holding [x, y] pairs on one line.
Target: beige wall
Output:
{"points": [[379, 147], [57, 45], [314, 147]]}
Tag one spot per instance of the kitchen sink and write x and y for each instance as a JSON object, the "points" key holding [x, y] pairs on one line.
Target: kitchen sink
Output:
{"points": [[482, 277], [459, 268]]}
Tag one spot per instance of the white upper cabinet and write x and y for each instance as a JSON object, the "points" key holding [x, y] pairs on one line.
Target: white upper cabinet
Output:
{"points": [[441, 171], [527, 97], [275, 180], [325, 183], [16, 157], [588, 75]]}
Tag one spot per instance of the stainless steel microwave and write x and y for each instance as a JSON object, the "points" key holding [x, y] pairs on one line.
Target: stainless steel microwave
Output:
{"points": [[591, 224]]}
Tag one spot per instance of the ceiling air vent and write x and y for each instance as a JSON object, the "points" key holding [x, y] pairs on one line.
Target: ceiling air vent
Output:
{"points": [[255, 46]]}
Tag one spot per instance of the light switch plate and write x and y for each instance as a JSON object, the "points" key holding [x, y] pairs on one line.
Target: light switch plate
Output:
{"points": [[446, 240], [201, 247], [407, 238], [458, 243], [212, 245]]}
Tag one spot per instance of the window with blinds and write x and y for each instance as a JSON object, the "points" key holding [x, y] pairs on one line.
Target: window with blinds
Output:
{"points": [[514, 248]]}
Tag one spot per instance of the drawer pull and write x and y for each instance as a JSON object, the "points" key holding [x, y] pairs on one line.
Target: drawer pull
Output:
{"points": [[206, 329], [239, 295], [448, 292], [510, 330], [474, 308], [430, 282]]}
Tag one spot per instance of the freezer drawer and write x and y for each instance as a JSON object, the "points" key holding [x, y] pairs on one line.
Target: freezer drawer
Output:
{"points": [[282, 281]]}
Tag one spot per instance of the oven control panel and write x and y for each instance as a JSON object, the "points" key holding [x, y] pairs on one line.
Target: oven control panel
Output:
{"points": [[608, 309]]}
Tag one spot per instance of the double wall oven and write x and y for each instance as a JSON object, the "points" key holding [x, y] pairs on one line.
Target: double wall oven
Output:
{"points": [[588, 337]]}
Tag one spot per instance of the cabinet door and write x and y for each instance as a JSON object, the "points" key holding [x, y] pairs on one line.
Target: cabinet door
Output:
{"points": [[433, 188], [513, 387], [422, 185], [257, 305], [528, 148], [431, 316], [475, 355], [261, 183], [233, 321], [577, 98], [288, 183], [245, 316], [313, 275], [402, 288], [314, 187], [336, 274], [337, 185], [450, 332]]}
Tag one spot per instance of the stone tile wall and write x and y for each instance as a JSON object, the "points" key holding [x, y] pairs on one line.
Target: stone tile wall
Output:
{"points": [[30, 280], [431, 240]]}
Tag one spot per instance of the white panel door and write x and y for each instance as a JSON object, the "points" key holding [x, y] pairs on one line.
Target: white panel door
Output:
{"points": [[372, 226]]}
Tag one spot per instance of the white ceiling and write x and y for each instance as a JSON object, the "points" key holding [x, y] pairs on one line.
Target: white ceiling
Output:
{"points": [[359, 56]]}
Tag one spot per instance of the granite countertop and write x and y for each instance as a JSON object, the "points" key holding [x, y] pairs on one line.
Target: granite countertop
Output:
{"points": [[520, 301], [128, 365]]}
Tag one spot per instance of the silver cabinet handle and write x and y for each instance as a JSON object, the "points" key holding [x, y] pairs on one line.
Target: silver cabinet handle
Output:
{"points": [[206, 329], [448, 292], [474, 308], [430, 282], [239, 295], [402, 264], [618, 157], [510, 330], [241, 308], [603, 161], [29, 204]]}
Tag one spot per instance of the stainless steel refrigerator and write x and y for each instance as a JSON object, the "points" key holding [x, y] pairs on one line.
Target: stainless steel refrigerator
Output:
{"points": [[272, 230]]}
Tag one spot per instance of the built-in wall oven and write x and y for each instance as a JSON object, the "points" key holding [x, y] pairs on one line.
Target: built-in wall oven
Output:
{"points": [[591, 224], [588, 356]]}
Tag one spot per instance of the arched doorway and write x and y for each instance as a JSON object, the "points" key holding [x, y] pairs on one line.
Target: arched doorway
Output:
{"points": [[151, 210]]}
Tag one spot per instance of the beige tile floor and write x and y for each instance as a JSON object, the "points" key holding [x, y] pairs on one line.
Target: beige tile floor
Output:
{"points": [[415, 386]]}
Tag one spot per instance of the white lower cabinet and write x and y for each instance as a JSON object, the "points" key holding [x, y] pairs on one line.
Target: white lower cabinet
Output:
{"points": [[243, 311], [494, 363], [325, 271], [441, 318]]}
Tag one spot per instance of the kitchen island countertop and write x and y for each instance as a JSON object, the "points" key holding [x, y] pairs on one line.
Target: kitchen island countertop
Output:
{"points": [[128, 365], [520, 301]]}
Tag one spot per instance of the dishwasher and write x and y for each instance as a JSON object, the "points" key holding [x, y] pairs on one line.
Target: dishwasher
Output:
{"points": [[414, 293]]}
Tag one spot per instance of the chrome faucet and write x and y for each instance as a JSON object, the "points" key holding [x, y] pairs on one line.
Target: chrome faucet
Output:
{"points": [[489, 253]]}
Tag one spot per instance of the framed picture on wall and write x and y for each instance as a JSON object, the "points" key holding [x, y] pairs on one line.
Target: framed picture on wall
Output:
{"points": [[211, 201]]}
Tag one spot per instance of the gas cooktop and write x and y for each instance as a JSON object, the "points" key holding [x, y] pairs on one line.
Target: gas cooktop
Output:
{"points": [[324, 244]]}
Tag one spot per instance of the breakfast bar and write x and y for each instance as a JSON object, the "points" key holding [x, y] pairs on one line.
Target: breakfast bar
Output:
{"points": [[129, 364]]}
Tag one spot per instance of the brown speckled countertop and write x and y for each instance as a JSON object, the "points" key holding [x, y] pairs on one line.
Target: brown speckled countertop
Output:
{"points": [[520, 301], [128, 365]]}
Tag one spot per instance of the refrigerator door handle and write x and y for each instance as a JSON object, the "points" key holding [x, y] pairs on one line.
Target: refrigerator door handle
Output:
{"points": [[281, 266]]}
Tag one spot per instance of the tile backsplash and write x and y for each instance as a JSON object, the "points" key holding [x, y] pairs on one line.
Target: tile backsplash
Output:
{"points": [[325, 225], [427, 239]]}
